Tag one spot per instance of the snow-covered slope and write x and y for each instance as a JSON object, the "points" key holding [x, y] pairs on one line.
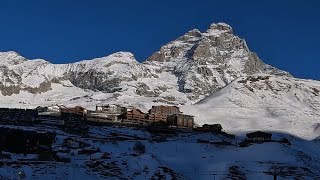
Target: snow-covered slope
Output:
{"points": [[175, 157], [263, 102]]}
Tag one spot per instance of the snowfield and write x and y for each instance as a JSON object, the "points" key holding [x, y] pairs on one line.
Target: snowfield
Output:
{"points": [[263, 102]]}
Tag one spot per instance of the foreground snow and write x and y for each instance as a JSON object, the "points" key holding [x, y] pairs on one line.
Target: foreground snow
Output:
{"points": [[180, 157]]}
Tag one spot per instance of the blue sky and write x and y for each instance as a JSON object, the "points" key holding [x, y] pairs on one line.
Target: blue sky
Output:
{"points": [[284, 33]]}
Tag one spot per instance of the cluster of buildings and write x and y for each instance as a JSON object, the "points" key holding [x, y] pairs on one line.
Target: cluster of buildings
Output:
{"points": [[77, 117], [171, 115], [113, 113]]}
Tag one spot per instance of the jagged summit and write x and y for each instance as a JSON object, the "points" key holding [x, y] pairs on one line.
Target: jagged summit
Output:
{"points": [[205, 62], [221, 27], [11, 58], [122, 56], [117, 56], [9, 53], [102, 62]]}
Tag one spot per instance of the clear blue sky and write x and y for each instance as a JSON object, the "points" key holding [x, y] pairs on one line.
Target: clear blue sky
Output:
{"points": [[284, 33]]}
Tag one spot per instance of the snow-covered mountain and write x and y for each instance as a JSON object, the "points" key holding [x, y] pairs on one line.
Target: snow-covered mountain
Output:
{"points": [[214, 69], [183, 71]]}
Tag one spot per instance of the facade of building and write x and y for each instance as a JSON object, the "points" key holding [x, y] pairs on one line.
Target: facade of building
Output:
{"points": [[110, 109], [77, 110], [50, 110], [180, 120], [101, 117], [259, 136], [156, 117], [135, 116], [106, 113], [165, 110]]}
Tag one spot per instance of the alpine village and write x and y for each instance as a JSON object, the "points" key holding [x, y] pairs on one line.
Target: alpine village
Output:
{"points": [[160, 120]]}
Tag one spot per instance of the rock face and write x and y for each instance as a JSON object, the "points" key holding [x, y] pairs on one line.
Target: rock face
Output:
{"points": [[206, 62], [186, 70]]}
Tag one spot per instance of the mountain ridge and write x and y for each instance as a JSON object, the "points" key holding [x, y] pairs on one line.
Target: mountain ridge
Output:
{"points": [[183, 71]]}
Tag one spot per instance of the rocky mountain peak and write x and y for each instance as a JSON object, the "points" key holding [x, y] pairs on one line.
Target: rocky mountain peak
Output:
{"points": [[118, 57], [221, 27], [122, 55], [194, 33], [215, 45], [11, 58], [205, 62]]}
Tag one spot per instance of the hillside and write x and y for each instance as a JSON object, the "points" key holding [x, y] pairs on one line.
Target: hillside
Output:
{"points": [[263, 102]]}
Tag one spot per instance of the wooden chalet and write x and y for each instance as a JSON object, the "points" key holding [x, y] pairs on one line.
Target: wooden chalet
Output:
{"points": [[259, 136], [77, 110], [134, 116], [165, 110], [100, 117], [156, 117], [180, 121]]}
